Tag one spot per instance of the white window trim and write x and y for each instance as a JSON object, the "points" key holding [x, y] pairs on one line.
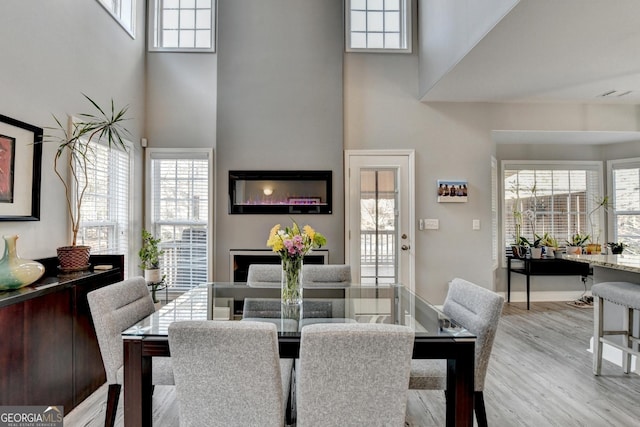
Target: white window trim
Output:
{"points": [[546, 164], [408, 30], [152, 29], [132, 31], [611, 165], [187, 153]]}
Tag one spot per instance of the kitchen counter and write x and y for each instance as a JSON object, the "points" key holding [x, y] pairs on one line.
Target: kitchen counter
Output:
{"points": [[623, 262]]}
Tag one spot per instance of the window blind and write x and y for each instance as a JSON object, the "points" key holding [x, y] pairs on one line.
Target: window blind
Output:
{"points": [[104, 215], [554, 198], [180, 215], [625, 177]]}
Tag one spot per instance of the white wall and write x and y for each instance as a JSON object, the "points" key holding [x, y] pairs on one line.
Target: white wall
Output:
{"points": [[450, 29], [453, 141], [51, 53]]}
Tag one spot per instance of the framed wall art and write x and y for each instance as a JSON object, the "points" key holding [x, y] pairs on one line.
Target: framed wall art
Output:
{"points": [[20, 170], [452, 191]]}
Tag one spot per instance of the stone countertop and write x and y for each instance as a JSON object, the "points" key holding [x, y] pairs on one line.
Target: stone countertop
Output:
{"points": [[619, 262]]}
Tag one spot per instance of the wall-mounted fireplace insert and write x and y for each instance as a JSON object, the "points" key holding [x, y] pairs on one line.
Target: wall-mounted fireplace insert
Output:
{"points": [[279, 192]]}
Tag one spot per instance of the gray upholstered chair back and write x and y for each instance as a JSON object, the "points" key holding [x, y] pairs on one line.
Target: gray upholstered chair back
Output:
{"points": [[115, 308], [478, 310], [353, 374], [265, 275], [326, 275], [227, 373]]}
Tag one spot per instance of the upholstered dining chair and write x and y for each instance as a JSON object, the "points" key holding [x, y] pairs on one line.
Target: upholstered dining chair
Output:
{"points": [[353, 374], [334, 275], [229, 373], [115, 308], [478, 310], [264, 275]]}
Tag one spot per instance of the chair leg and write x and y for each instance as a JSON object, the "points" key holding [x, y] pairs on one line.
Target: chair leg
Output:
{"points": [[627, 325], [478, 405], [598, 319], [112, 404]]}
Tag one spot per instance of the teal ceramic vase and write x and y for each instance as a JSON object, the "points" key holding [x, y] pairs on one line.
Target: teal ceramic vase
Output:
{"points": [[15, 272]]}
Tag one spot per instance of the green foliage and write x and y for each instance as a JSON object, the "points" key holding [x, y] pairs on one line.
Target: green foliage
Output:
{"points": [[617, 248], [149, 252], [549, 240], [74, 151], [578, 239]]}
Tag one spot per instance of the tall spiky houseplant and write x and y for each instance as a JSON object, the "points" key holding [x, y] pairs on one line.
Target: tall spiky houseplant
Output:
{"points": [[74, 155]]}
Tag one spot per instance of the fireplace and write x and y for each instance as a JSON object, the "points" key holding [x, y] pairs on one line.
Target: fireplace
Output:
{"points": [[241, 259], [279, 192]]}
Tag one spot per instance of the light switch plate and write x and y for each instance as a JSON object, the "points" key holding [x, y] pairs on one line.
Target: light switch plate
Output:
{"points": [[476, 224], [431, 224]]}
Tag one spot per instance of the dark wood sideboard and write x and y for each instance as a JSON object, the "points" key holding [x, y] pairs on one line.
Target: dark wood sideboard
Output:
{"points": [[49, 353]]}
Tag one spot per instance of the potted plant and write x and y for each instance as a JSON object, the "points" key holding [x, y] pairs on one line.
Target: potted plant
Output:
{"points": [[536, 247], [594, 246], [550, 244], [149, 255], [576, 243], [521, 247], [72, 160], [616, 248]]}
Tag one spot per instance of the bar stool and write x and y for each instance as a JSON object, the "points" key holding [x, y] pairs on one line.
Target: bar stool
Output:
{"points": [[626, 295]]}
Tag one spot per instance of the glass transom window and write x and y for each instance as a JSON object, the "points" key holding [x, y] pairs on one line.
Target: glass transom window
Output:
{"points": [[182, 25], [378, 25]]}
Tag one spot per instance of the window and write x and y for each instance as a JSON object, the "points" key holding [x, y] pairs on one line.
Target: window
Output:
{"points": [[625, 192], [182, 25], [179, 212], [124, 11], [104, 215], [378, 25], [552, 197]]}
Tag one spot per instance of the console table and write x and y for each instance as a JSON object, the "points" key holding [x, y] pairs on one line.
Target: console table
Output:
{"points": [[543, 267], [49, 352]]}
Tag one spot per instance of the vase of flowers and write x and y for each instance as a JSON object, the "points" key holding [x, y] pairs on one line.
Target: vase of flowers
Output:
{"points": [[292, 244]]}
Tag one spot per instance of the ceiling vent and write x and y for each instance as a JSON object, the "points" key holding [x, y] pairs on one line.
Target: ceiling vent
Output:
{"points": [[614, 93]]}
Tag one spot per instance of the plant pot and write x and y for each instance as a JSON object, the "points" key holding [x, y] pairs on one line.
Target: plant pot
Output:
{"points": [[153, 275], [73, 258], [574, 250], [593, 249], [536, 253], [518, 251]]}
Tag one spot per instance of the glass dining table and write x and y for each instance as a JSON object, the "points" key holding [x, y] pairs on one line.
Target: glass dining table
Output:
{"points": [[436, 336]]}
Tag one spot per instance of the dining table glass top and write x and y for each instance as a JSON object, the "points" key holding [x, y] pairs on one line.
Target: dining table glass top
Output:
{"points": [[392, 304]]}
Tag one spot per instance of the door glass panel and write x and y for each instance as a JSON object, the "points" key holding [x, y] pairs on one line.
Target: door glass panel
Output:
{"points": [[378, 226]]}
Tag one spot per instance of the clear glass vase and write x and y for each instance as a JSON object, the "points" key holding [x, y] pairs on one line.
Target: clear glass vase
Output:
{"points": [[291, 289]]}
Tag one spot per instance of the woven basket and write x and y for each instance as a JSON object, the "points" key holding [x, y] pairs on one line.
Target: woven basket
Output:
{"points": [[73, 258]]}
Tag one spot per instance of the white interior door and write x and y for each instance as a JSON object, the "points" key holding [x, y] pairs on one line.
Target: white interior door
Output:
{"points": [[379, 216]]}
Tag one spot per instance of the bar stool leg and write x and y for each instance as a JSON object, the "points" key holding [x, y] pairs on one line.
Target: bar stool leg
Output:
{"points": [[626, 342], [598, 319]]}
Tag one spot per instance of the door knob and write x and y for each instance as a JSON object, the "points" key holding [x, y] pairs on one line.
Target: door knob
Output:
{"points": [[405, 247]]}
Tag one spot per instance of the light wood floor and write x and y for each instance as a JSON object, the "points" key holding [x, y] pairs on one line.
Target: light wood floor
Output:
{"points": [[539, 375]]}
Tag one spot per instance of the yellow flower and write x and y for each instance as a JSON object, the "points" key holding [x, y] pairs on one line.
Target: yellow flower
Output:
{"points": [[309, 231], [274, 241], [274, 231]]}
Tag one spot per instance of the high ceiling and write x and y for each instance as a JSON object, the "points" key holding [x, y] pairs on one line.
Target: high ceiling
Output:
{"points": [[552, 51]]}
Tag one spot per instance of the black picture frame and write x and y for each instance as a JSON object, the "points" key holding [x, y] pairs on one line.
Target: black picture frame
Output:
{"points": [[26, 170]]}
